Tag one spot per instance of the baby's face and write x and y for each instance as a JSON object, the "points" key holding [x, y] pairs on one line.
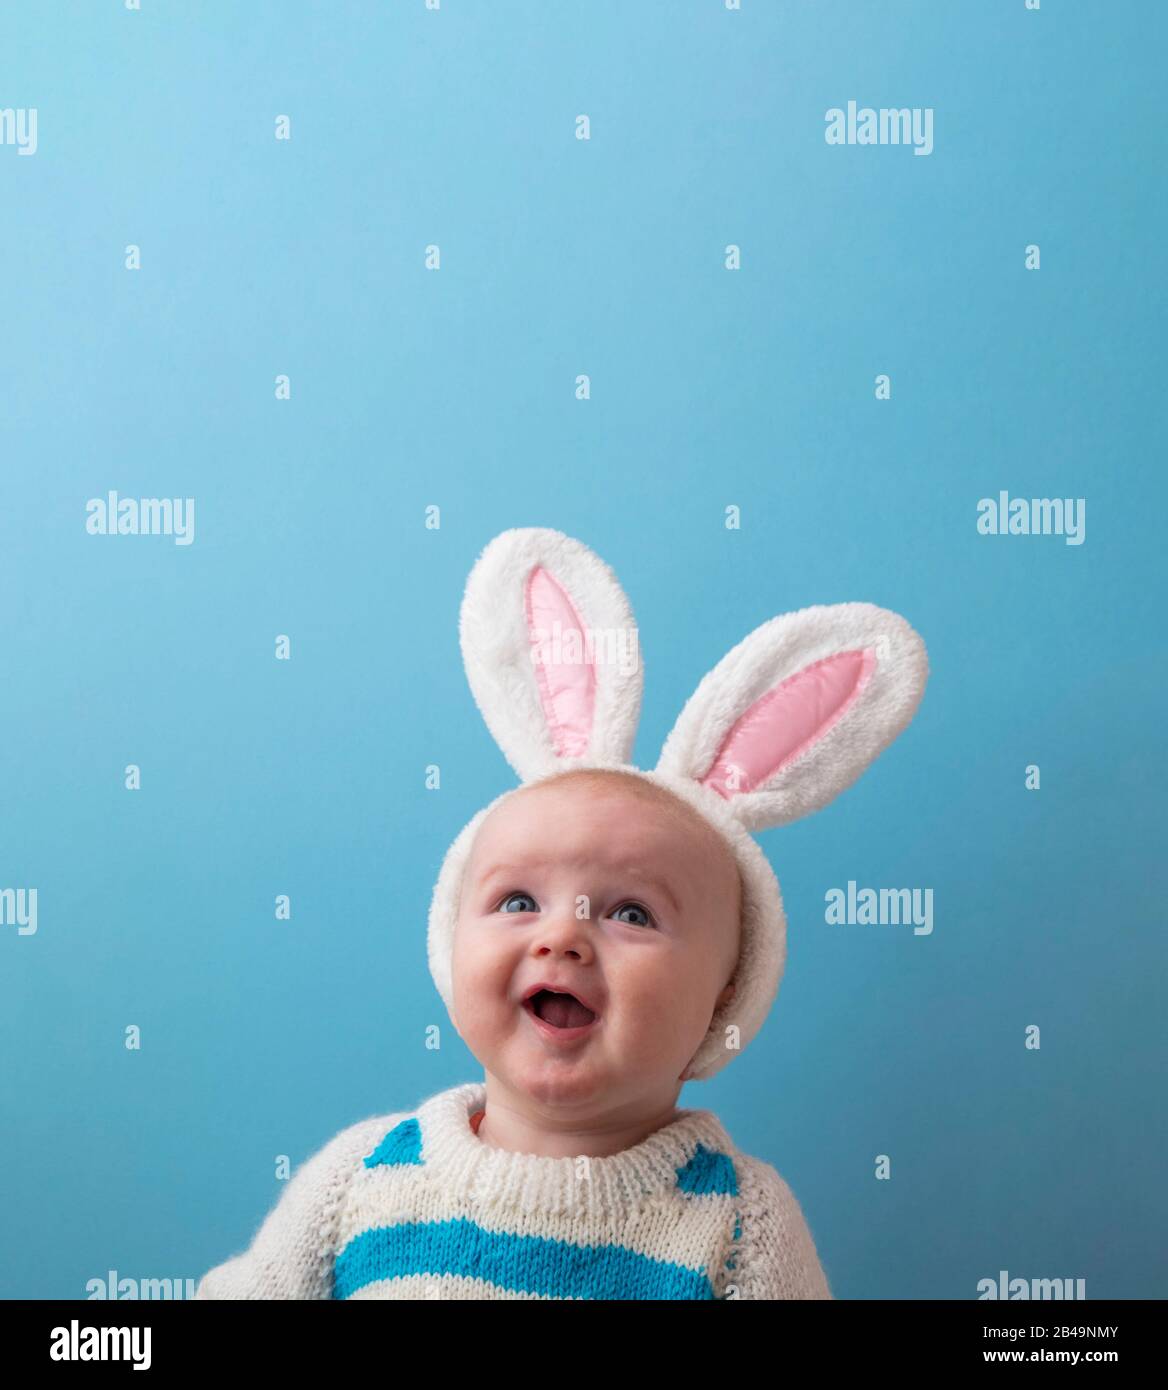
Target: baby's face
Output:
{"points": [[651, 950]]}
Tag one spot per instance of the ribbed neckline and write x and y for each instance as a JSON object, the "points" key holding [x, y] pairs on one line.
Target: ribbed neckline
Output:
{"points": [[533, 1182]]}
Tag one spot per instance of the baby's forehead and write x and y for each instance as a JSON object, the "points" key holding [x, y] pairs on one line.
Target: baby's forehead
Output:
{"points": [[532, 820], [681, 851], [530, 808]]}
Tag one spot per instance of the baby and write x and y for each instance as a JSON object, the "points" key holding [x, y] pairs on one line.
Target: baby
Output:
{"points": [[609, 891], [600, 935]]}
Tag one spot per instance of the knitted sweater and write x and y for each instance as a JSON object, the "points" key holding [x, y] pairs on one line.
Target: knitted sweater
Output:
{"points": [[414, 1205]]}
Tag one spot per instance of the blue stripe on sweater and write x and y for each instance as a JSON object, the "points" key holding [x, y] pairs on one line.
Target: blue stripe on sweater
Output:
{"points": [[403, 1144], [708, 1172], [522, 1264]]}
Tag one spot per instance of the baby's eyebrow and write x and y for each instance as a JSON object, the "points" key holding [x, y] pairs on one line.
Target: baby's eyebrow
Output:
{"points": [[662, 887], [630, 870], [534, 863]]}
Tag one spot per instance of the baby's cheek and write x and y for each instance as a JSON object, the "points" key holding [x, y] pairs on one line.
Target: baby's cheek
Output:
{"points": [[483, 975], [667, 1005]]}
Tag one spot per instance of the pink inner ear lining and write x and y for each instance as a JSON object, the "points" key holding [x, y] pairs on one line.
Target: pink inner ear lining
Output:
{"points": [[567, 687], [790, 718]]}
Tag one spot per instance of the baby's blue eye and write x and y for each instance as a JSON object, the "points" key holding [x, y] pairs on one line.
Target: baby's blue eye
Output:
{"points": [[635, 907], [510, 898]]}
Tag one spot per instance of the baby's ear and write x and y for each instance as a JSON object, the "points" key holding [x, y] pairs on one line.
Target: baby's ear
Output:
{"points": [[793, 714], [551, 652]]}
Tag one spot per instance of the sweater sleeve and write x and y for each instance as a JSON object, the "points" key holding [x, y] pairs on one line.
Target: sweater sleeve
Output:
{"points": [[774, 1256], [292, 1253]]}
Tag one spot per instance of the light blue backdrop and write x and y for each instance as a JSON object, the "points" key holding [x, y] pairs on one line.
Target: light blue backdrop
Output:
{"points": [[457, 388]]}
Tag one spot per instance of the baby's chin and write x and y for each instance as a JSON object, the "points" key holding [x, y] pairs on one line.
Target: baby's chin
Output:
{"points": [[529, 1068], [591, 1080], [550, 1091]]}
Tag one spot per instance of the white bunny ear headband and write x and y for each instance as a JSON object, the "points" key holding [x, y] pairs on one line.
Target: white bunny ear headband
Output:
{"points": [[787, 720]]}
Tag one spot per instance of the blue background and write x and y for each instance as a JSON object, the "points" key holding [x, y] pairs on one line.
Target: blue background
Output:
{"points": [[457, 389]]}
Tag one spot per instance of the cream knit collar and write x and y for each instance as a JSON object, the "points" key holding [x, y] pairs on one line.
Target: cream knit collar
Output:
{"points": [[466, 1164]]}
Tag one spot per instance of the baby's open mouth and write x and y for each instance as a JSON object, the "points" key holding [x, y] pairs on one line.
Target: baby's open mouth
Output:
{"points": [[559, 1010]]}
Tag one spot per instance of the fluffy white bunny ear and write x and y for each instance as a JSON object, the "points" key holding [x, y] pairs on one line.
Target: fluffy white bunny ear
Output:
{"points": [[797, 710], [551, 652]]}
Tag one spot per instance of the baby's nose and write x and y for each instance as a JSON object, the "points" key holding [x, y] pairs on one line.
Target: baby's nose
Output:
{"points": [[565, 932]]}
